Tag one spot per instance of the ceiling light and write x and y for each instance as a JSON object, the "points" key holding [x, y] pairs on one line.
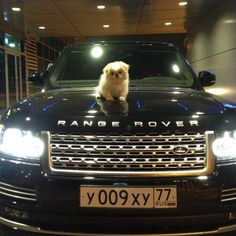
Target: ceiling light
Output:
{"points": [[12, 45], [96, 52], [175, 68], [16, 9], [106, 26], [168, 23], [183, 3], [42, 27], [100, 7]]}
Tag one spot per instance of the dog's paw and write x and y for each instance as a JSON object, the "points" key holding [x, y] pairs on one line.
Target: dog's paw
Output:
{"points": [[122, 99]]}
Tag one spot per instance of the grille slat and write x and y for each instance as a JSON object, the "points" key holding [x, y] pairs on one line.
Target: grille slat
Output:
{"points": [[16, 192], [128, 153], [228, 195]]}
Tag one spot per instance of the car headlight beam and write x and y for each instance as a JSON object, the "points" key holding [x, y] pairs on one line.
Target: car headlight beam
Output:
{"points": [[18, 143]]}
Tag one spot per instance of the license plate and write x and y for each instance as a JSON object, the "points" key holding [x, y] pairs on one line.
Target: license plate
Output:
{"points": [[128, 197]]}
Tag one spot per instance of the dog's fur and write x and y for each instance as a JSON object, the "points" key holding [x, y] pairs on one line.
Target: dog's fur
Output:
{"points": [[114, 82]]}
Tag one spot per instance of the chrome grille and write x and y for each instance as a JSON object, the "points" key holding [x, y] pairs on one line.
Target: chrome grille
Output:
{"points": [[128, 153]]}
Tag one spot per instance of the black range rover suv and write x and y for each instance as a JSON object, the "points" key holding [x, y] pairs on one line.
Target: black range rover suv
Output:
{"points": [[162, 162]]}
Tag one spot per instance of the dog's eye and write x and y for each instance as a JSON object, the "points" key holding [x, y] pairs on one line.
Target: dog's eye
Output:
{"points": [[112, 73], [119, 72]]}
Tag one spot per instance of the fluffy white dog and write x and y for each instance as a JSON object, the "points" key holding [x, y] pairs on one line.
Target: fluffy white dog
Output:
{"points": [[114, 82]]}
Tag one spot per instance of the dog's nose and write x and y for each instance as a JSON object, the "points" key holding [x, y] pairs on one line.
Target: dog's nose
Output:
{"points": [[117, 75]]}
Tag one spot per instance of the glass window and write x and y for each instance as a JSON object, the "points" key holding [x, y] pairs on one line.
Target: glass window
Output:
{"points": [[57, 44], [12, 42], [51, 55], [150, 65], [46, 41], [52, 42], [45, 52], [2, 81], [24, 79], [1, 38], [39, 50], [12, 81], [40, 64], [22, 45]]}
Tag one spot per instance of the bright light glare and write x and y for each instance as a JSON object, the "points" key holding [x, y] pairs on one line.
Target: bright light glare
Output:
{"points": [[225, 146], [96, 52], [183, 3], [176, 68], [168, 23], [202, 177], [92, 111], [21, 144], [12, 45], [219, 91], [100, 7], [16, 9], [229, 21]]}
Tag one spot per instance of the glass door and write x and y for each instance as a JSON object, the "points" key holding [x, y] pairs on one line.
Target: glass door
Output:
{"points": [[14, 78], [3, 101]]}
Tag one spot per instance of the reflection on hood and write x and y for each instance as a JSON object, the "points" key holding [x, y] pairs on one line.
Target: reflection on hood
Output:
{"points": [[113, 108]]}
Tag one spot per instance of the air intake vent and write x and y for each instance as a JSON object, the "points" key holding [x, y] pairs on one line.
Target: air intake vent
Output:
{"points": [[16, 192], [228, 195]]}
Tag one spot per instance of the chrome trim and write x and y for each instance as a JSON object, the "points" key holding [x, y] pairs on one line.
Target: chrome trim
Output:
{"points": [[33, 229], [208, 168], [228, 199], [228, 195], [228, 190], [17, 192], [18, 161]]}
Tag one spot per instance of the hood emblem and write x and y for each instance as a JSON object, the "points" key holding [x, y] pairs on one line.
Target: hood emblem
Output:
{"points": [[180, 150]]}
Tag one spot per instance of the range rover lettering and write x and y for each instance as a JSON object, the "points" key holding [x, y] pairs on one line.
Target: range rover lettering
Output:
{"points": [[160, 160]]}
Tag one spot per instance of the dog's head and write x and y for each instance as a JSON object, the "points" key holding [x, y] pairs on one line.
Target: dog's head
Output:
{"points": [[116, 70]]}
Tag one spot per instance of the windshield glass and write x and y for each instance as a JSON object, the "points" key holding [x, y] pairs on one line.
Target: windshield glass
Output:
{"points": [[151, 65]]}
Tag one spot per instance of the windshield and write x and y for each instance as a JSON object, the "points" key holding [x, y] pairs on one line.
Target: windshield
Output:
{"points": [[151, 65]]}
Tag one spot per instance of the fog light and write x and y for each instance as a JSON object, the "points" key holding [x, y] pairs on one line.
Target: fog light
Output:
{"points": [[16, 213]]}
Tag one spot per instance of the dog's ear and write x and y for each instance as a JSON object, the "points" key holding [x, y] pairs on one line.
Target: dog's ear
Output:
{"points": [[124, 66], [106, 69]]}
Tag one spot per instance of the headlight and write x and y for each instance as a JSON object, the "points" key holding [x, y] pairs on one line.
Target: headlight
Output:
{"points": [[224, 147], [18, 143]]}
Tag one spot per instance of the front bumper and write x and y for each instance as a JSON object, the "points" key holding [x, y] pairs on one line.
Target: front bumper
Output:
{"points": [[37, 202], [32, 229]]}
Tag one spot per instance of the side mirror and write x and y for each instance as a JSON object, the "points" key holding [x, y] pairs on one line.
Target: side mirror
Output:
{"points": [[206, 78]]}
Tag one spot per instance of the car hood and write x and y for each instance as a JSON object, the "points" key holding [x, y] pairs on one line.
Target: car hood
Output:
{"points": [[45, 110]]}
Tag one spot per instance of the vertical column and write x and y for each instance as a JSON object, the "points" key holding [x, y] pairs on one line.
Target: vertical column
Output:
{"points": [[16, 79], [7, 80], [20, 79]]}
